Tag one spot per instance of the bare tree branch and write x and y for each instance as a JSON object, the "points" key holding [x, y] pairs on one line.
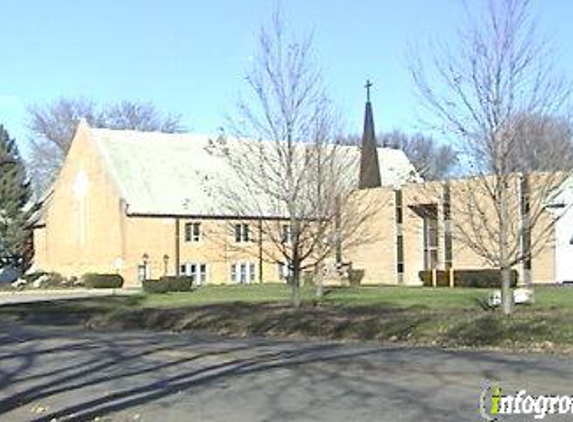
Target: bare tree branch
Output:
{"points": [[498, 93], [52, 126], [288, 169]]}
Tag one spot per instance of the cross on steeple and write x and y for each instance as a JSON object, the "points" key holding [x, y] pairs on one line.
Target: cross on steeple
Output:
{"points": [[368, 86]]}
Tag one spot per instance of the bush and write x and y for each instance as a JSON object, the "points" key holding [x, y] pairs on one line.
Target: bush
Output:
{"points": [[483, 278], [178, 283], [442, 278], [490, 278], [355, 277], [308, 278], [155, 286], [168, 284], [52, 280], [31, 277], [44, 280], [102, 281]]}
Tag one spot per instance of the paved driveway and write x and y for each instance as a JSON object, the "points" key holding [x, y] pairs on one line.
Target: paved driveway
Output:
{"points": [[66, 373], [29, 296]]}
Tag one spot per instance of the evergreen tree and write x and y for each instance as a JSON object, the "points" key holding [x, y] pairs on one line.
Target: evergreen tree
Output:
{"points": [[15, 195]]}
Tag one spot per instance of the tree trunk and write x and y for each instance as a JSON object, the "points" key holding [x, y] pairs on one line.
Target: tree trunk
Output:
{"points": [[295, 262], [295, 288], [526, 235], [319, 282], [506, 293]]}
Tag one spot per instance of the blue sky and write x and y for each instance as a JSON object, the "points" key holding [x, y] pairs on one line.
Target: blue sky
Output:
{"points": [[189, 57]]}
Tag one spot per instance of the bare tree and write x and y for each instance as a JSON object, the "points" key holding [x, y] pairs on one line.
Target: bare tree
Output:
{"points": [[432, 160], [52, 127], [296, 181], [538, 139], [478, 89], [140, 116], [56, 122]]}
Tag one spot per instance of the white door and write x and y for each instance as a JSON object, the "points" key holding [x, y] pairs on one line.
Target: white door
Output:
{"points": [[197, 272]]}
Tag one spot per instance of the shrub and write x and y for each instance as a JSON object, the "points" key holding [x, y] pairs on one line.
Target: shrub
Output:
{"points": [[52, 280], [6, 287], [178, 283], [489, 278], [308, 278], [31, 277], [102, 281], [442, 278], [43, 280], [168, 284], [355, 277], [155, 286], [483, 278]]}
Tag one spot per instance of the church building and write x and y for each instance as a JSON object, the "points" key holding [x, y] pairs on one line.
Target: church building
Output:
{"points": [[133, 203]]}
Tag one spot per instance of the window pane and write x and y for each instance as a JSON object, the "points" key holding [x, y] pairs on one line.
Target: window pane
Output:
{"points": [[400, 247], [252, 273], [433, 231], [447, 199], [431, 240], [243, 273], [141, 272], [434, 258], [285, 233], [447, 211], [399, 211], [448, 250]]}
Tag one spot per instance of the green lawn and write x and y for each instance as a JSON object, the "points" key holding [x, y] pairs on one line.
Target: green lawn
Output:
{"points": [[423, 316], [388, 297], [222, 293]]}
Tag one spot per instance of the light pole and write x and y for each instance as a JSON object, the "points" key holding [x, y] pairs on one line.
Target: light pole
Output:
{"points": [[145, 258], [165, 264]]}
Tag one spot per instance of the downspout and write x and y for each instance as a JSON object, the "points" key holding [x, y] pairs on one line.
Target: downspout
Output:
{"points": [[260, 250], [123, 216], [338, 232], [177, 246]]}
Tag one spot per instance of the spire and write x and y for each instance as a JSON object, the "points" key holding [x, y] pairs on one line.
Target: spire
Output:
{"points": [[369, 166]]}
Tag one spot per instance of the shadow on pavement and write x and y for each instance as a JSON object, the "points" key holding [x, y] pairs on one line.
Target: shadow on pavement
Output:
{"points": [[95, 374]]}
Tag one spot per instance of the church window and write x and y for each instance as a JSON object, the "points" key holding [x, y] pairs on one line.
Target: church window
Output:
{"points": [[192, 232], [242, 233]]}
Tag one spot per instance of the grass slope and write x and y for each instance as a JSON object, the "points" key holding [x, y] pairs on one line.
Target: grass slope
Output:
{"points": [[443, 317]]}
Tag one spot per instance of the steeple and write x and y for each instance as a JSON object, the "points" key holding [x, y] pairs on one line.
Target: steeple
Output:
{"points": [[369, 166]]}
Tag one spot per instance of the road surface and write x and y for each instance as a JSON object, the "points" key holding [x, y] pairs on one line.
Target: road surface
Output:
{"points": [[66, 373]]}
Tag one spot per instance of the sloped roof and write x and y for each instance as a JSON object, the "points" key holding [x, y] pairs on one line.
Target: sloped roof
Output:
{"points": [[164, 174]]}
